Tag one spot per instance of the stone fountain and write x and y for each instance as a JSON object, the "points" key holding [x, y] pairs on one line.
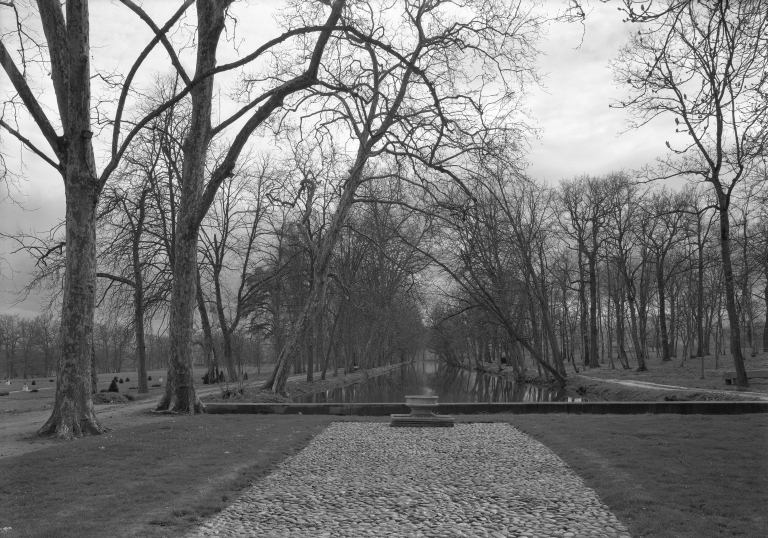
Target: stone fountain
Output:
{"points": [[422, 414]]}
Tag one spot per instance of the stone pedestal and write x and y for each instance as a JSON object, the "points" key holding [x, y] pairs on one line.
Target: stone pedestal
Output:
{"points": [[422, 415]]}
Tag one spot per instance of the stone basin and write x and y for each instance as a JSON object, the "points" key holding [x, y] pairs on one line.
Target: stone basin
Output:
{"points": [[421, 405], [421, 414]]}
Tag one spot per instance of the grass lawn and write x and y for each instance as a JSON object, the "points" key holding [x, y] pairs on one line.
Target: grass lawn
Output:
{"points": [[18, 401], [153, 480], [664, 476], [687, 374], [668, 476]]}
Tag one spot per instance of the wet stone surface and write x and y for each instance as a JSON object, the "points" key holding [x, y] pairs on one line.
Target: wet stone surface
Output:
{"points": [[367, 479]]}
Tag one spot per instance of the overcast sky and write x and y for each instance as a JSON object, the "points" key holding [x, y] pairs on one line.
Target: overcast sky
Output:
{"points": [[580, 134]]}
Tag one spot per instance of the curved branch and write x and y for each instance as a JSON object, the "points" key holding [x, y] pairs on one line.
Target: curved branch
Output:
{"points": [[161, 33]]}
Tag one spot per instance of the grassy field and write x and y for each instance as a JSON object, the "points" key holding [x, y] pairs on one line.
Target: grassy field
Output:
{"points": [[664, 476], [685, 374], [668, 476], [153, 480], [18, 401]]}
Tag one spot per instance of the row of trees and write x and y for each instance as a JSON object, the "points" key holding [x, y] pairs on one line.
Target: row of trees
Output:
{"points": [[599, 268], [358, 80], [29, 347], [363, 98]]}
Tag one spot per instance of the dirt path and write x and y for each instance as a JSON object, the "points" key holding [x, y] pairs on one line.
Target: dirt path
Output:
{"points": [[658, 386]]}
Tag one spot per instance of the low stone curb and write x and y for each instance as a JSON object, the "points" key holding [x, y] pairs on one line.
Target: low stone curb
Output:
{"points": [[587, 408]]}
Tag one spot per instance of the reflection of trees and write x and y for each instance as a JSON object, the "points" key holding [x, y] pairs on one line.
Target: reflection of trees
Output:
{"points": [[451, 384]]}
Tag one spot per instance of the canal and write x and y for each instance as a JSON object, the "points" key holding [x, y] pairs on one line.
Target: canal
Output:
{"points": [[435, 378]]}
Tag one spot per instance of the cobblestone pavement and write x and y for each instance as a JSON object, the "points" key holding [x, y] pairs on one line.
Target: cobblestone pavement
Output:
{"points": [[367, 479]]}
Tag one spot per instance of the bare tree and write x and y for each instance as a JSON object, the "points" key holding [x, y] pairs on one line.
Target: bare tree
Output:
{"points": [[67, 55], [414, 97], [706, 64], [662, 230], [585, 203], [231, 239]]}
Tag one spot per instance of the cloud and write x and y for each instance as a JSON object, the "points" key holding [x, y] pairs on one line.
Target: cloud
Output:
{"points": [[580, 133]]}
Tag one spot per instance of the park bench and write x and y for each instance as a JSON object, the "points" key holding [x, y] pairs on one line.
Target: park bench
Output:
{"points": [[730, 376]]}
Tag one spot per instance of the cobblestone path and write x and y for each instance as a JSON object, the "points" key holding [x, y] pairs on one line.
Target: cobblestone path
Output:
{"points": [[367, 479]]}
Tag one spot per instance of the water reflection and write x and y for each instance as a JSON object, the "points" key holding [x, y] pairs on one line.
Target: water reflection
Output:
{"points": [[437, 379]]}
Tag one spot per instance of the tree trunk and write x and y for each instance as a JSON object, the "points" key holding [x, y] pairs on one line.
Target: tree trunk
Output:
{"points": [[673, 322], [94, 375], [73, 414], [593, 354], [205, 323], [316, 295], [309, 337], [730, 295], [138, 298], [765, 327], [635, 333], [701, 347], [226, 331], [583, 316], [180, 393]]}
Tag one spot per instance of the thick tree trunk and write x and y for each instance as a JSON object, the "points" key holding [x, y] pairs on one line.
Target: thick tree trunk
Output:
{"points": [[73, 414], [180, 393], [94, 374], [730, 295]]}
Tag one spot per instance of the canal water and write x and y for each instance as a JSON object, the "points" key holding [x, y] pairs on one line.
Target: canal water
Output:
{"points": [[435, 378]]}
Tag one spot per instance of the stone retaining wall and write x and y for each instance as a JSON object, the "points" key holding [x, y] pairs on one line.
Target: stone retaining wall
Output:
{"points": [[592, 408]]}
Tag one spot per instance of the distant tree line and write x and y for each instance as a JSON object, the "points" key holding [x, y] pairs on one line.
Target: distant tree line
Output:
{"points": [[599, 270]]}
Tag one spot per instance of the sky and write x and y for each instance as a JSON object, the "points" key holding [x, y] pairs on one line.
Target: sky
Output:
{"points": [[579, 133]]}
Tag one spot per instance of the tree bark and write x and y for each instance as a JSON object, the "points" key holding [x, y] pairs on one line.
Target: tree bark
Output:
{"points": [[138, 298], [180, 393], [730, 295], [73, 414]]}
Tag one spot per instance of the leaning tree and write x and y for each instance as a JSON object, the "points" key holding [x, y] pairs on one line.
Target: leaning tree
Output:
{"points": [[423, 84]]}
